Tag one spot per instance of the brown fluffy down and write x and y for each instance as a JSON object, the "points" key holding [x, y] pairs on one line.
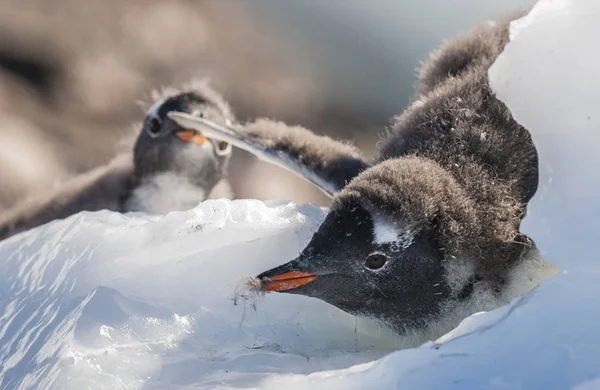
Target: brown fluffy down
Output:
{"points": [[101, 188], [454, 159], [335, 161], [458, 159]]}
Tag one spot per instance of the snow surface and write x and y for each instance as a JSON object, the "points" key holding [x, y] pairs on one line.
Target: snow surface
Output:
{"points": [[108, 301]]}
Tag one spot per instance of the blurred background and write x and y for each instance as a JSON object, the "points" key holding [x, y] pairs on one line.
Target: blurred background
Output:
{"points": [[71, 72]]}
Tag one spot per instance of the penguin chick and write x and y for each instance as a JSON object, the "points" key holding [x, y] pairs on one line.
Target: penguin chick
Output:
{"points": [[176, 168], [463, 52], [168, 168], [428, 232]]}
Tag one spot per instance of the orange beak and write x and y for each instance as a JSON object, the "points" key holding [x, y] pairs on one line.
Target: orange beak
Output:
{"points": [[288, 281], [191, 135]]}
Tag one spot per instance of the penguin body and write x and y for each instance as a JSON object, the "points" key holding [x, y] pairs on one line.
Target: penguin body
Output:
{"points": [[104, 187], [428, 232]]}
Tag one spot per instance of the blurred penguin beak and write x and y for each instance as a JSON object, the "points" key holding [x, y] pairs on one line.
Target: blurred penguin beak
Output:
{"points": [[191, 135]]}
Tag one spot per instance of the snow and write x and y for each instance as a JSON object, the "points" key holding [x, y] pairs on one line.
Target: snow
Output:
{"points": [[109, 301]]}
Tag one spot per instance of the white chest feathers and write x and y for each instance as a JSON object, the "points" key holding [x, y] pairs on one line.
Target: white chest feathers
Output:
{"points": [[165, 192]]}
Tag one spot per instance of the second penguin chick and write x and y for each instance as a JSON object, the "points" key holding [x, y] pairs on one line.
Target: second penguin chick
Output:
{"points": [[168, 168], [176, 168]]}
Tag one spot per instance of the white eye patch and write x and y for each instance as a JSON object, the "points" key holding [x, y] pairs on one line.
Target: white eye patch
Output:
{"points": [[386, 233], [383, 232], [153, 111]]}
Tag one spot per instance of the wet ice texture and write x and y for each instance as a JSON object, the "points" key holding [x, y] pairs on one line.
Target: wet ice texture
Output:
{"points": [[141, 302], [103, 300]]}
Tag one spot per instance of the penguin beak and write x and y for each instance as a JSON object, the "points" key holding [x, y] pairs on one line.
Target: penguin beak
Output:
{"points": [[285, 277], [191, 135]]}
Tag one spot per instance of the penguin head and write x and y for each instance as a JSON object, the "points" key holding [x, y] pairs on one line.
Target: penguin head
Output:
{"points": [[367, 266], [402, 243], [164, 146]]}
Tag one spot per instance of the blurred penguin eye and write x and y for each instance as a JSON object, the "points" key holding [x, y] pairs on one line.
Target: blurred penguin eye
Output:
{"points": [[223, 145], [375, 261], [153, 126]]}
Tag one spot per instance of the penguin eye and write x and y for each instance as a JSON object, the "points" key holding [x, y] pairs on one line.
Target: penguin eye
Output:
{"points": [[375, 260], [153, 126], [223, 145]]}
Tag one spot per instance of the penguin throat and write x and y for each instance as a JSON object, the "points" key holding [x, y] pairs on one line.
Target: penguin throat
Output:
{"points": [[165, 192]]}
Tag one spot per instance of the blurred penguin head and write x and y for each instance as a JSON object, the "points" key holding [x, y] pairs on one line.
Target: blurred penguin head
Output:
{"points": [[163, 146]]}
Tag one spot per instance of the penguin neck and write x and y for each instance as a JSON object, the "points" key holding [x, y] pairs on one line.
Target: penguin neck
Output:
{"points": [[525, 276], [163, 192]]}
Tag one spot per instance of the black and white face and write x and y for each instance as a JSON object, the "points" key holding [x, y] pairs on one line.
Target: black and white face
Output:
{"points": [[163, 145], [367, 266]]}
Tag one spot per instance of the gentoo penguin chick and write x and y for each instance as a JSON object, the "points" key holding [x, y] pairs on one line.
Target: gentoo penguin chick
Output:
{"points": [[428, 232], [169, 168], [176, 168]]}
